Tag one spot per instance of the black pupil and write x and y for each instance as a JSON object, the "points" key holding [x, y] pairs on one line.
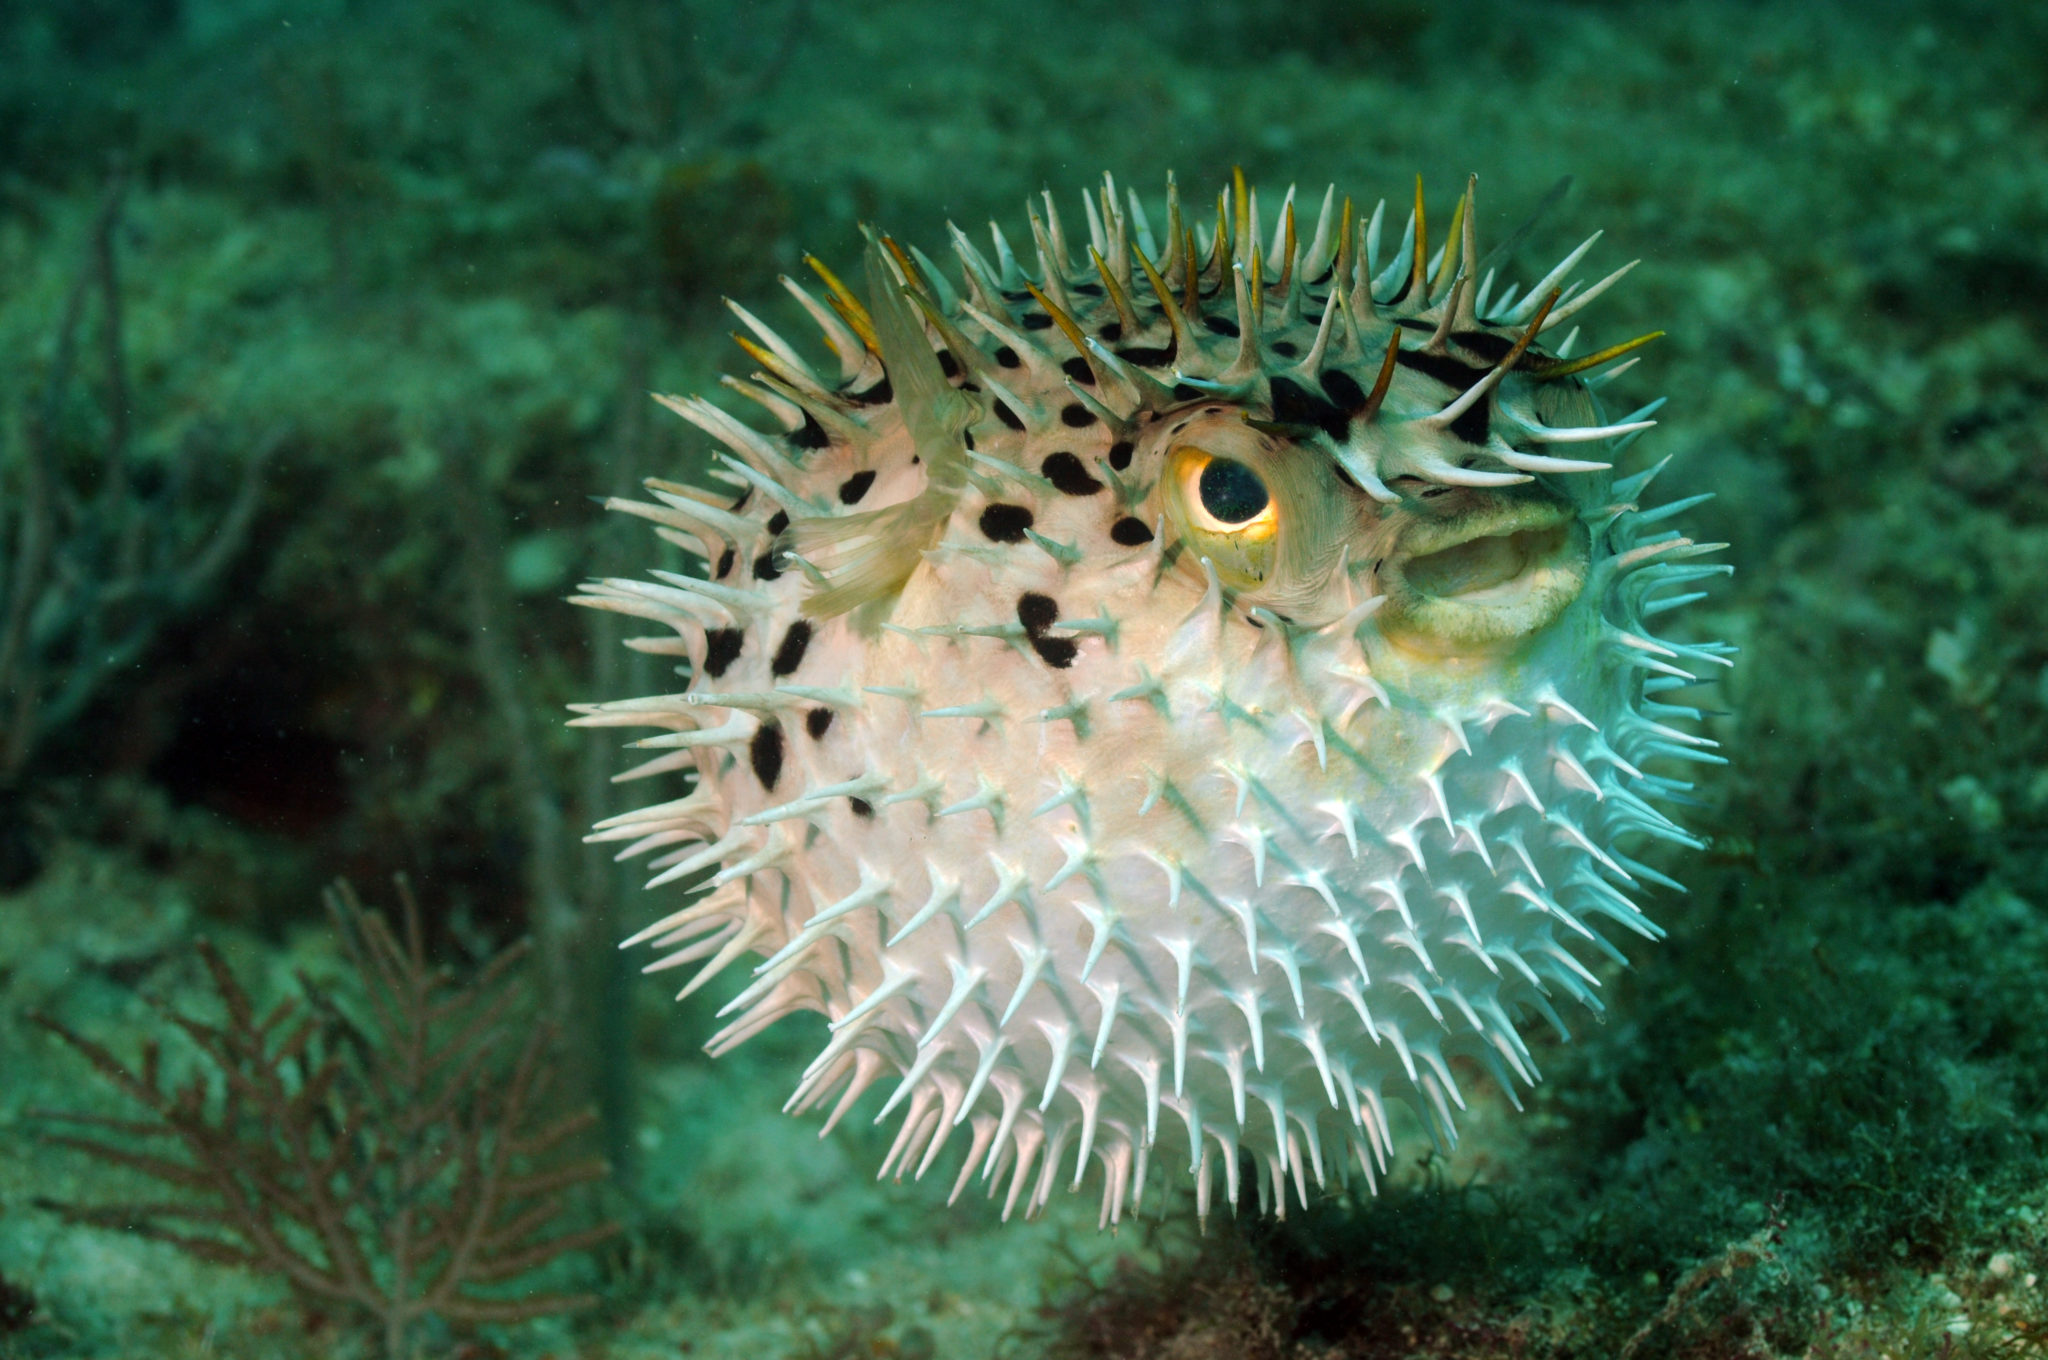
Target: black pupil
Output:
{"points": [[1231, 491]]}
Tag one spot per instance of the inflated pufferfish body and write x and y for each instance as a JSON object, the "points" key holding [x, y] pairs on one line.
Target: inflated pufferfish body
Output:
{"points": [[1166, 703]]}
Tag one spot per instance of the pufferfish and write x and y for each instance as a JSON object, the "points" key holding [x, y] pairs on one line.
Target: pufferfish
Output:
{"points": [[1169, 704]]}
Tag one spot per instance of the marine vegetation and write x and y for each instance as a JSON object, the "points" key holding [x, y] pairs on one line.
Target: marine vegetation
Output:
{"points": [[1184, 676], [381, 1153], [100, 549]]}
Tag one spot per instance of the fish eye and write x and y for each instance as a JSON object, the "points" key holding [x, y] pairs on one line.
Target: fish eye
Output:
{"points": [[1226, 513], [1231, 491]]}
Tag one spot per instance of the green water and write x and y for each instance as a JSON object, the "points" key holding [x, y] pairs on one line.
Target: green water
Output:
{"points": [[322, 322]]}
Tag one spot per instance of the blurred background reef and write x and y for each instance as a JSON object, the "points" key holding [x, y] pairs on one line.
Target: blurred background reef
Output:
{"points": [[324, 319]]}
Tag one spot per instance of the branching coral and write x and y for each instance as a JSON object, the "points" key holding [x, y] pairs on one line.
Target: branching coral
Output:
{"points": [[378, 1152]]}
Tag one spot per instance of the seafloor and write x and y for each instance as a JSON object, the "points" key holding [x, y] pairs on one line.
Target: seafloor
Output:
{"points": [[389, 281]]}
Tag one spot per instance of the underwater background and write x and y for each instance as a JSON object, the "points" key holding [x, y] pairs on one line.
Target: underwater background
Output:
{"points": [[323, 320]]}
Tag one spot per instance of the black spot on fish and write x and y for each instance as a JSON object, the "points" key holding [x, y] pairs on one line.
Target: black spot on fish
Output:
{"points": [[1058, 653], [1293, 404], [741, 503], [1068, 475], [1037, 321], [725, 560], [818, 722], [1004, 523], [878, 395], [854, 487], [1007, 357], [765, 568], [1120, 454], [1111, 331], [1077, 368], [810, 435], [790, 654], [948, 365], [1037, 612], [1009, 417], [1220, 325], [1184, 392], [764, 753], [1286, 348], [1131, 532], [1474, 424], [1076, 416], [778, 521], [1447, 370], [1343, 389], [1492, 348], [1087, 289], [862, 807], [721, 649]]}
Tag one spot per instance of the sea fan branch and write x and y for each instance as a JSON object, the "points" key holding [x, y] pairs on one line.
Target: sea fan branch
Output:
{"points": [[390, 1170]]}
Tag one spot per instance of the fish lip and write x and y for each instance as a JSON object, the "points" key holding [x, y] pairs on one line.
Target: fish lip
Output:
{"points": [[1533, 569]]}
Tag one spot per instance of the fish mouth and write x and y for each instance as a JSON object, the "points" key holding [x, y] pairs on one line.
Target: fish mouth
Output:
{"points": [[1485, 579]]}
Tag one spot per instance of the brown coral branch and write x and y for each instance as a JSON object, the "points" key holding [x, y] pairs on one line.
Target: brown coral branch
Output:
{"points": [[390, 1170]]}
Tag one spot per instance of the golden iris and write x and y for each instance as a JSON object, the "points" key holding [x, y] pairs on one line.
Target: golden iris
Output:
{"points": [[1227, 514]]}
